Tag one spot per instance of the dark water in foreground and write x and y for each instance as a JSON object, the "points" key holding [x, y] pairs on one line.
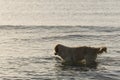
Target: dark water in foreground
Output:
{"points": [[27, 52]]}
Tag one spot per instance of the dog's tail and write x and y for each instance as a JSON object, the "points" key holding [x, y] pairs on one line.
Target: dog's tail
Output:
{"points": [[101, 50]]}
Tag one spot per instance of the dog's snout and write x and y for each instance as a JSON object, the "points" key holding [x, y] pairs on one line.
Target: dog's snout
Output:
{"points": [[55, 53]]}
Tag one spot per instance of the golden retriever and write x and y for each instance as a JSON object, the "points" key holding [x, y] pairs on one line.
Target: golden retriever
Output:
{"points": [[75, 55]]}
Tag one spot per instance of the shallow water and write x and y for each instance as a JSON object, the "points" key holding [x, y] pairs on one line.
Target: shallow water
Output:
{"points": [[27, 52]]}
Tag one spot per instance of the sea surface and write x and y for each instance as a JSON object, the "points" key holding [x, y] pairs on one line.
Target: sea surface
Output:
{"points": [[30, 29], [27, 52]]}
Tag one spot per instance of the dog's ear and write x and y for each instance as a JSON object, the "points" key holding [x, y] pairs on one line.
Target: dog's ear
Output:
{"points": [[56, 49]]}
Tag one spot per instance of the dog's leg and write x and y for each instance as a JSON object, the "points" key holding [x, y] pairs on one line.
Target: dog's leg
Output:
{"points": [[91, 60]]}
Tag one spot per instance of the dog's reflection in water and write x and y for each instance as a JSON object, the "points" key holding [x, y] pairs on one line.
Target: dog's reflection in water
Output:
{"points": [[73, 66], [82, 64]]}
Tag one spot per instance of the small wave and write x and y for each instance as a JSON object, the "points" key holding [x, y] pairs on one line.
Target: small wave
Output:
{"points": [[62, 37], [74, 37], [17, 27], [104, 29], [101, 28]]}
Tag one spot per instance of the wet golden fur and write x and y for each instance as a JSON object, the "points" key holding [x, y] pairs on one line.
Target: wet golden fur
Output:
{"points": [[75, 55]]}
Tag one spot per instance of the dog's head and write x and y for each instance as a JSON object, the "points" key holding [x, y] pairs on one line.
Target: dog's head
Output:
{"points": [[60, 50], [102, 49]]}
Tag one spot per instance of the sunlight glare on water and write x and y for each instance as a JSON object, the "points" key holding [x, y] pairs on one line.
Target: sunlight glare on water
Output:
{"points": [[60, 12]]}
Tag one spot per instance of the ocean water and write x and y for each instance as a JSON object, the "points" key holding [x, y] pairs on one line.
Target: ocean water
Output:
{"points": [[30, 29], [27, 52]]}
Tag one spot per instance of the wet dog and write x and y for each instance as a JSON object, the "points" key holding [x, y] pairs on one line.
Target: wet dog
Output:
{"points": [[79, 55]]}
